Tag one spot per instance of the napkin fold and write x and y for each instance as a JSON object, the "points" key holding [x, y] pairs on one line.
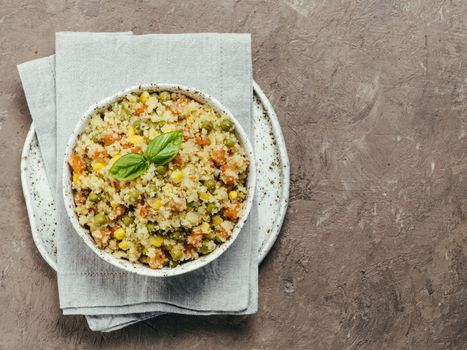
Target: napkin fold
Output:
{"points": [[90, 66]]}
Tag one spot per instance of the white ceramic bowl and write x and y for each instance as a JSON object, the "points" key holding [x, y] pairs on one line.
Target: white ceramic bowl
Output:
{"points": [[142, 269]]}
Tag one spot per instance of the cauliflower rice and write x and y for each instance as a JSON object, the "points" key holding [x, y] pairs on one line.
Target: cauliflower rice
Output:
{"points": [[172, 213]]}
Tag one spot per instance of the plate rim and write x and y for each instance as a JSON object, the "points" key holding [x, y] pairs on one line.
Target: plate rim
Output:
{"points": [[263, 250], [28, 199], [285, 170]]}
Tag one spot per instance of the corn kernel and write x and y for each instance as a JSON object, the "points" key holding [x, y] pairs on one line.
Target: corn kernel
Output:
{"points": [[204, 196], [76, 177], [123, 245], [216, 220], [115, 158], [130, 132], [177, 176], [233, 195], [119, 233], [144, 97], [98, 164], [113, 204], [136, 139], [155, 203], [205, 227], [156, 241], [168, 128]]}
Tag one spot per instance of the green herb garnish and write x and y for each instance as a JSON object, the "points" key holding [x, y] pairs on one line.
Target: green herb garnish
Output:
{"points": [[161, 150]]}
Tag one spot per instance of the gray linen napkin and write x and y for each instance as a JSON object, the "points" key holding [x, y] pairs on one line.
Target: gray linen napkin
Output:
{"points": [[34, 71], [38, 78]]}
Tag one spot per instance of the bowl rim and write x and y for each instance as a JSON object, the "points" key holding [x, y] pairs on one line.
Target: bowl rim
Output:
{"points": [[138, 268]]}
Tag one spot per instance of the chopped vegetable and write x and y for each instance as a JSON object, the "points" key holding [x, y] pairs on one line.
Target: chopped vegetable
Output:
{"points": [[155, 203], [123, 245], [100, 219], [226, 125], [156, 241], [144, 97], [94, 197], [119, 234], [127, 220], [177, 176]]}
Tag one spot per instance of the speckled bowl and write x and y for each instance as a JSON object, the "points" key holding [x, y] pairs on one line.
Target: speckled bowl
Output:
{"points": [[142, 269]]}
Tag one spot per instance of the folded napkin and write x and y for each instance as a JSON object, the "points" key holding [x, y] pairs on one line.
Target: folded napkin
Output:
{"points": [[90, 67]]}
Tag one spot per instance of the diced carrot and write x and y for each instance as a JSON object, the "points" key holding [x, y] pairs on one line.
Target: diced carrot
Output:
{"points": [[232, 211], [77, 163], [195, 239], [102, 236], [157, 261], [144, 211], [202, 140], [140, 111], [178, 161], [110, 138], [120, 210], [218, 157], [229, 175], [99, 154], [174, 109]]}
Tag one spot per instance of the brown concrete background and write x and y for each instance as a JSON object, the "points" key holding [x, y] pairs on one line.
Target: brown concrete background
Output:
{"points": [[372, 98]]}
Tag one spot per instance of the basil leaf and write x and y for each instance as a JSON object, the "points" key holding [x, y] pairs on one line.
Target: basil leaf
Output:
{"points": [[163, 148], [128, 167]]}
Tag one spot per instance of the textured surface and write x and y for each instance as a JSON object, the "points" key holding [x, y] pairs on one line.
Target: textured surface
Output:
{"points": [[372, 97]]}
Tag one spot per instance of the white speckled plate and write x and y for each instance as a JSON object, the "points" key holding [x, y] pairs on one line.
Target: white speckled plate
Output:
{"points": [[272, 183]]}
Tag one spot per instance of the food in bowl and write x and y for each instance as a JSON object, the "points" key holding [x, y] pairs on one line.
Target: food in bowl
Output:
{"points": [[159, 178]]}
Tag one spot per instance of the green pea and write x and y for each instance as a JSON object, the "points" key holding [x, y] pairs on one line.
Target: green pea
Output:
{"points": [[193, 206], [94, 197], [161, 169], [137, 125], [177, 235], [226, 125], [176, 253], [207, 125], [173, 263], [229, 142], [96, 139], [153, 187], [151, 227], [206, 247], [210, 184], [134, 194], [164, 96], [211, 208], [127, 220], [100, 219]]}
